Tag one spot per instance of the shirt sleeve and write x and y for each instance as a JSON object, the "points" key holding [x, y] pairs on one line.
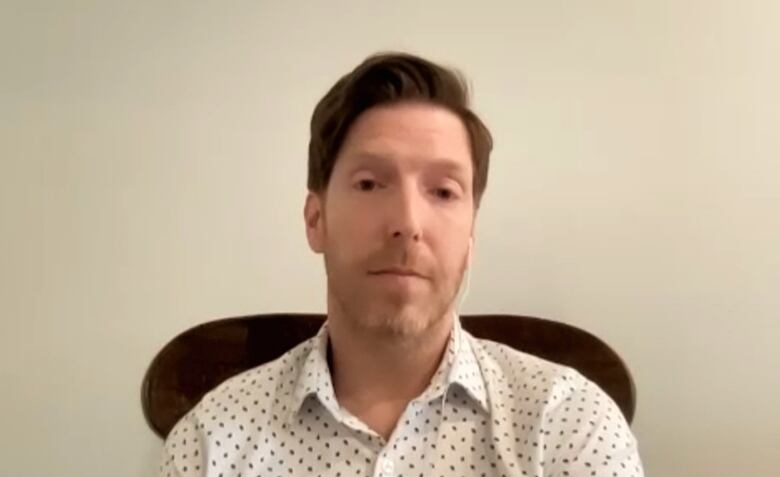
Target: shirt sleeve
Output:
{"points": [[182, 455], [587, 435]]}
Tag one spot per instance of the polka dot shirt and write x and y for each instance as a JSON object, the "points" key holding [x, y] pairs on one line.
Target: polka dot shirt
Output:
{"points": [[489, 411]]}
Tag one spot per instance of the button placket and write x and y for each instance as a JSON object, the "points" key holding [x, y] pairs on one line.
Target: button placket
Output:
{"points": [[385, 466]]}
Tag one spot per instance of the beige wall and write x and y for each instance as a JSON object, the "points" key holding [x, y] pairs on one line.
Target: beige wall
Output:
{"points": [[152, 173]]}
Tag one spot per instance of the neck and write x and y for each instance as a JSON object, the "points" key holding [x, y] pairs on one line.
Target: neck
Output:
{"points": [[375, 376]]}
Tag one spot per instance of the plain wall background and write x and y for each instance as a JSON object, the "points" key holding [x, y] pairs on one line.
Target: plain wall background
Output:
{"points": [[152, 177]]}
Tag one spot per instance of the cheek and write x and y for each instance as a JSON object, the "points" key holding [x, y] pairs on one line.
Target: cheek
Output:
{"points": [[450, 258], [348, 236], [450, 242], [350, 227]]}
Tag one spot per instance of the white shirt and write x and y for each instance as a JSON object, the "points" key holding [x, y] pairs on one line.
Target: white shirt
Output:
{"points": [[490, 410]]}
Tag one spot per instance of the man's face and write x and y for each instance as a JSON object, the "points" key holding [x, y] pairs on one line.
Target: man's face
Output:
{"points": [[396, 221]]}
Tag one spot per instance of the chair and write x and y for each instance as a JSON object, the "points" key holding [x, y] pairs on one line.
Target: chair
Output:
{"points": [[202, 357]]}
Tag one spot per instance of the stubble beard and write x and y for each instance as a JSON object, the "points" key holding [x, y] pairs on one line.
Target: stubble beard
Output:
{"points": [[395, 316]]}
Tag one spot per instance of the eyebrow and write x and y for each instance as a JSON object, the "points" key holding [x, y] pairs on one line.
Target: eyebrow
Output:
{"points": [[441, 163]]}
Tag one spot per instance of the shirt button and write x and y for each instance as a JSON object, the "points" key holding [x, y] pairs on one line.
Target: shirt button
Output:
{"points": [[387, 467]]}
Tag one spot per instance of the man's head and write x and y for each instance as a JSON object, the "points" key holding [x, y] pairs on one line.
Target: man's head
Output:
{"points": [[397, 167]]}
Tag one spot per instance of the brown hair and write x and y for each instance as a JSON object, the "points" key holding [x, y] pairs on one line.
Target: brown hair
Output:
{"points": [[389, 78]]}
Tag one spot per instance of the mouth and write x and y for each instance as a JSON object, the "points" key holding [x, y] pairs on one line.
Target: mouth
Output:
{"points": [[397, 272]]}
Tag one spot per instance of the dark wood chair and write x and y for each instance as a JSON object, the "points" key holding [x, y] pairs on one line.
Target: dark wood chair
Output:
{"points": [[202, 357]]}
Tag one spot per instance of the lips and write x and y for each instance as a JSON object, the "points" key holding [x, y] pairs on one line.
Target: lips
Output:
{"points": [[403, 272]]}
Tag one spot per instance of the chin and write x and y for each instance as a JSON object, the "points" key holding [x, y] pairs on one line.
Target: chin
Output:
{"points": [[390, 315], [406, 322]]}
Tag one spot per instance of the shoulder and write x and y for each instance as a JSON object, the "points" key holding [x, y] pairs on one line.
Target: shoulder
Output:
{"points": [[507, 368], [220, 424], [260, 386], [575, 421], [539, 389]]}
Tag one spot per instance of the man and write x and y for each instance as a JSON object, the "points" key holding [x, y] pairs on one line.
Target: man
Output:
{"points": [[392, 385]]}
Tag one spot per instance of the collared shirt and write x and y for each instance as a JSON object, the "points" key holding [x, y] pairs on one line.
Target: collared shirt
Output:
{"points": [[489, 410]]}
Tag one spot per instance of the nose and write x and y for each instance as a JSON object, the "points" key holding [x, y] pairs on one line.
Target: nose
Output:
{"points": [[405, 215]]}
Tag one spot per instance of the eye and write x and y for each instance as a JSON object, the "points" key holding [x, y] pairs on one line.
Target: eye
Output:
{"points": [[444, 193], [366, 185]]}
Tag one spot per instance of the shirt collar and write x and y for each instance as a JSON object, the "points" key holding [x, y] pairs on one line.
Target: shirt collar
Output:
{"points": [[314, 375], [464, 369], [459, 366]]}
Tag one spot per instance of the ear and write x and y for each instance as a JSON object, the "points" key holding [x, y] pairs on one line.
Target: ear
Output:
{"points": [[314, 220]]}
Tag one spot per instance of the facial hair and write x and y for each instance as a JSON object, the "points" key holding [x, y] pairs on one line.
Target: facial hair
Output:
{"points": [[393, 315]]}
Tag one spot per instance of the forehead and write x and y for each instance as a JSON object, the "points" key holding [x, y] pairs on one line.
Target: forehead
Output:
{"points": [[409, 134]]}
